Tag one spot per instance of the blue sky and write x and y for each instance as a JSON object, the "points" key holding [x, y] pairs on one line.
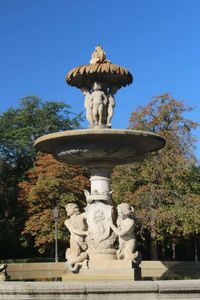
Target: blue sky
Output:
{"points": [[157, 40]]}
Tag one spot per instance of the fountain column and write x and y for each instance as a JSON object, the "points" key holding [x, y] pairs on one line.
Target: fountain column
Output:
{"points": [[100, 179], [99, 212]]}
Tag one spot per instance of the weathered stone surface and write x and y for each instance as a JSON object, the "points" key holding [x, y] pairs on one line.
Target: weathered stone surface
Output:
{"points": [[110, 146], [99, 69], [99, 104], [149, 269], [102, 274], [99, 238], [125, 230], [77, 226], [101, 290]]}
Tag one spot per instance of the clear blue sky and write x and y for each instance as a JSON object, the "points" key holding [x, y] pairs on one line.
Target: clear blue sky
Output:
{"points": [[157, 40]]}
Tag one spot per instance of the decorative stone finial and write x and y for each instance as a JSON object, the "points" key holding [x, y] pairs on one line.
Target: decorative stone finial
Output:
{"points": [[98, 56], [99, 70]]}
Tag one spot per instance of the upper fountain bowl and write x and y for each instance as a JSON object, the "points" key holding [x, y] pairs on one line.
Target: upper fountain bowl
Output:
{"points": [[97, 146], [100, 69]]}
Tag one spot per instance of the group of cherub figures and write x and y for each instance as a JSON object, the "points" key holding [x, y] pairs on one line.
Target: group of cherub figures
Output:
{"points": [[99, 104], [76, 223]]}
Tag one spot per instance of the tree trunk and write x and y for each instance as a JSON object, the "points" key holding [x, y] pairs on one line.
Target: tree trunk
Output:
{"points": [[163, 252], [196, 250], [154, 250], [173, 251]]}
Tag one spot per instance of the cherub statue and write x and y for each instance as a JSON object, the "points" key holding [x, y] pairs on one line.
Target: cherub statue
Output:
{"points": [[88, 106], [111, 104], [99, 101], [76, 224], [125, 231], [98, 56]]}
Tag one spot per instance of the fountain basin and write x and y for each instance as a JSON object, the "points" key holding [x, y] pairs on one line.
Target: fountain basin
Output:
{"points": [[87, 146]]}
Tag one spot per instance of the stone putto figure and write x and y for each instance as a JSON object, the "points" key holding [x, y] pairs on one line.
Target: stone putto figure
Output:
{"points": [[111, 104], [126, 234], [76, 224], [99, 104], [88, 104]]}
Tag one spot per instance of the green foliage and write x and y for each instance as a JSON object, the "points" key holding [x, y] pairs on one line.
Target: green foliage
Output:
{"points": [[19, 127], [161, 187], [192, 180]]}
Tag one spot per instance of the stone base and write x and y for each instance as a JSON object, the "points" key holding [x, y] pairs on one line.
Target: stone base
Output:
{"points": [[113, 290], [102, 270]]}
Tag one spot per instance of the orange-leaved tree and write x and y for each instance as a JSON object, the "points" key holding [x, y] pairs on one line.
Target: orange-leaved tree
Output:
{"points": [[50, 184], [157, 185]]}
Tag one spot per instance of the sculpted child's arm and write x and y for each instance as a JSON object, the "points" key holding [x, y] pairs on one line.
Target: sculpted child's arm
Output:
{"points": [[105, 99], [115, 229], [71, 229], [126, 228]]}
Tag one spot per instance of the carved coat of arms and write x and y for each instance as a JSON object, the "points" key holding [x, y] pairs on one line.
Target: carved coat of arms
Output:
{"points": [[98, 219]]}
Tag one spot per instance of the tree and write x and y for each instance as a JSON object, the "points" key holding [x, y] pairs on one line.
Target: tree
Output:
{"points": [[19, 127], [50, 183], [192, 180], [7, 204], [158, 183]]}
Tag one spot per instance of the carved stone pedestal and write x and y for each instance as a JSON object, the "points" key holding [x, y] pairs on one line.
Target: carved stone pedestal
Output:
{"points": [[103, 270]]}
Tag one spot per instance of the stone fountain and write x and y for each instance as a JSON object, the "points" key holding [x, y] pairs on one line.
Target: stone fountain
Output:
{"points": [[94, 233]]}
